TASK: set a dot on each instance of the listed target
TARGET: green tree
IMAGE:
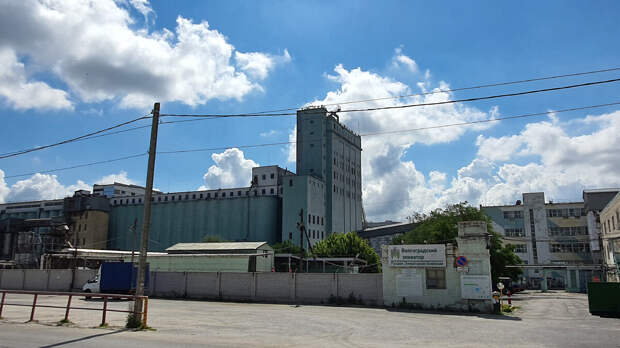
(349, 245)
(441, 226)
(213, 239)
(286, 247)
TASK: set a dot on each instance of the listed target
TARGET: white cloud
(40, 187)
(45, 186)
(22, 94)
(259, 65)
(269, 133)
(385, 173)
(120, 177)
(400, 59)
(4, 189)
(93, 48)
(231, 169)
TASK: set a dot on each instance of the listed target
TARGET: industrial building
(325, 196)
(558, 243)
(610, 239)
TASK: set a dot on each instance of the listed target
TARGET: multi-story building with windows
(610, 238)
(324, 196)
(553, 240)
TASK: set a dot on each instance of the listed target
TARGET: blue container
(120, 277)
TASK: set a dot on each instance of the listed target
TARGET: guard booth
(440, 276)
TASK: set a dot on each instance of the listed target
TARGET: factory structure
(324, 196)
(559, 243)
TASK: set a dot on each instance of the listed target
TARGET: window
(313, 217)
(435, 278)
(322, 236)
(309, 218)
(166, 199)
(181, 197)
(255, 181)
(201, 196)
(263, 191)
(193, 196)
(223, 194)
(290, 182)
(322, 221)
(208, 194)
(140, 200)
(264, 176)
(133, 201)
(271, 190)
(173, 198)
(514, 214)
(216, 195)
(290, 235)
(514, 232)
(239, 193)
(520, 248)
(115, 201)
(272, 175)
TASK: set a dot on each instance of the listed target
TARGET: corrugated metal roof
(218, 246)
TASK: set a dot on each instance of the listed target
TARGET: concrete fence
(44, 280)
(310, 288)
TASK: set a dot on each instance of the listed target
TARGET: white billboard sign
(476, 287)
(417, 255)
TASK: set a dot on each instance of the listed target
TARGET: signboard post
(475, 287)
(417, 255)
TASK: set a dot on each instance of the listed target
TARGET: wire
(455, 89)
(484, 98)
(292, 142)
(21, 152)
(77, 166)
(496, 96)
(490, 120)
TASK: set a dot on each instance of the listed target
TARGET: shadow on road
(479, 315)
(83, 338)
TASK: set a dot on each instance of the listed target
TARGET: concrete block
(169, 284)
(82, 276)
(35, 279)
(237, 286)
(12, 279)
(314, 287)
(203, 285)
(60, 280)
(274, 287)
(362, 286)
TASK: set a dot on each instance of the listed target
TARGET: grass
(506, 308)
(63, 322)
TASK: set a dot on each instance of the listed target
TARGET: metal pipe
(34, 306)
(68, 307)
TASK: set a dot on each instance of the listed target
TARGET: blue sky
(69, 68)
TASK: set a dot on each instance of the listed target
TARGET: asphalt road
(544, 320)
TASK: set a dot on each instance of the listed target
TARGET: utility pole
(302, 227)
(133, 243)
(146, 221)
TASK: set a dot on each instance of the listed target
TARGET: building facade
(324, 197)
(553, 240)
(610, 239)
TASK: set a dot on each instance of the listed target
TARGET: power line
(21, 152)
(77, 166)
(496, 96)
(498, 84)
(292, 142)
(275, 114)
(484, 98)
